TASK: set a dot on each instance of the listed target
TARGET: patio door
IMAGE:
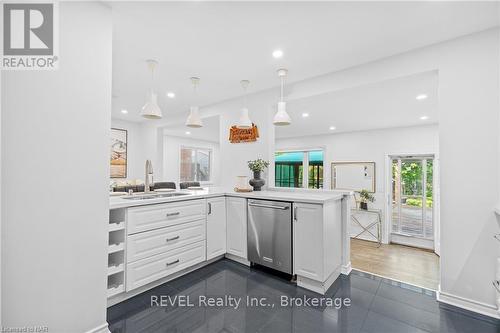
(412, 201)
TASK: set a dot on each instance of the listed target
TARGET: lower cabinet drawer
(149, 243)
(150, 217)
(144, 271)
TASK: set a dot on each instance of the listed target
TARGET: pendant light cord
(282, 87)
(245, 97)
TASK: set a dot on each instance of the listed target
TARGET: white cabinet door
(216, 227)
(236, 226)
(308, 236)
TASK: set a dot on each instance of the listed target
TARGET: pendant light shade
(281, 118)
(194, 119)
(151, 110)
(244, 121)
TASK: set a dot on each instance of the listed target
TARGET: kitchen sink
(167, 195)
(153, 196)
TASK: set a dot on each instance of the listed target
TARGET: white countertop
(312, 196)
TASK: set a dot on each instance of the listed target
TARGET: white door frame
(386, 232)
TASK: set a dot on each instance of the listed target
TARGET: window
(195, 164)
(299, 169)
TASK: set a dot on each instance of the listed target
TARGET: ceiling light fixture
(305, 115)
(277, 54)
(188, 133)
(281, 118)
(421, 97)
(244, 122)
(424, 118)
(332, 128)
(170, 94)
(194, 119)
(124, 111)
(151, 110)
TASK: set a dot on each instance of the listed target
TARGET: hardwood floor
(403, 263)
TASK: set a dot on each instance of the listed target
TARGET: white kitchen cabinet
(142, 272)
(236, 238)
(216, 227)
(145, 218)
(308, 224)
(150, 243)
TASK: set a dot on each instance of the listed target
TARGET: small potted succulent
(365, 197)
(257, 166)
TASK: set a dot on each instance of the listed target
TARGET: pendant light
(151, 110)
(194, 119)
(281, 118)
(244, 122)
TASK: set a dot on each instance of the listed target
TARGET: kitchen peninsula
(154, 238)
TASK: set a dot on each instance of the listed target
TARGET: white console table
(375, 220)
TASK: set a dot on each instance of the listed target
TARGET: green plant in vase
(257, 166)
(365, 197)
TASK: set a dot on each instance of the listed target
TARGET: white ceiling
(225, 42)
(386, 104)
(209, 131)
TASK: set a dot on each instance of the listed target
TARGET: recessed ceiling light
(171, 94)
(305, 115)
(277, 54)
(188, 133)
(421, 97)
(424, 118)
(332, 128)
(124, 111)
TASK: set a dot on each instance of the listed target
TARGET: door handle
(173, 214)
(209, 208)
(295, 209)
(173, 238)
(269, 206)
(173, 262)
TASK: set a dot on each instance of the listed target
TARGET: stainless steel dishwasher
(270, 234)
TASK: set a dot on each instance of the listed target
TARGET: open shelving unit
(116, 252)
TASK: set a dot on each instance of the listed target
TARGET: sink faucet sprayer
(149, 172)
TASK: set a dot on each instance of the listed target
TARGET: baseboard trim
(237, 259)
(467, 304)
(346, 269)
(100, 329)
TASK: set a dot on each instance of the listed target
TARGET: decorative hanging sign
(238, 135)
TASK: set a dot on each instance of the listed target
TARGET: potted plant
(257, 166)
(365, 197)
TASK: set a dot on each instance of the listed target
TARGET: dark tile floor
(377, 305)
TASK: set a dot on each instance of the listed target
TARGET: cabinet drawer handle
(173, 238)
(173, 262)
(209, 208)
(173, 214)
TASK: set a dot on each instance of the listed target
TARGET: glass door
(412, 196)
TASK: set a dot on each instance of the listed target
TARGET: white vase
(241, 182)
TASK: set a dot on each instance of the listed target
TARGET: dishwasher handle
(268, 206)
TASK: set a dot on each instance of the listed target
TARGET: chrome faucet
(149, 172)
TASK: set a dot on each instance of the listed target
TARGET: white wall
(171, 157)
(469, 120)
(55, 146)
(371, 146)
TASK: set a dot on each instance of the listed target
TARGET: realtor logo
(29, 32)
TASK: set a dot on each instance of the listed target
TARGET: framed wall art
(118, 153)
